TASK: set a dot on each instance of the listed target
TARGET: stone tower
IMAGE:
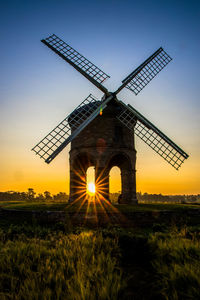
(104, 143)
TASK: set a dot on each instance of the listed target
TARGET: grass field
(59, 206)
(60, 261)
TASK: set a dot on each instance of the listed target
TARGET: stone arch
(125, 164)
(79, 163)
(115, 185)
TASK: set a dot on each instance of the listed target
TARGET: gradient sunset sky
(38, 89)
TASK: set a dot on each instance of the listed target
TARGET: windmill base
(105, 143)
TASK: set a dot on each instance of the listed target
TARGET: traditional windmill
(104, 140)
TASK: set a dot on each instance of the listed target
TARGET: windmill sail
(78, 61)
(141, 76)
(52, 144)
(152, 136)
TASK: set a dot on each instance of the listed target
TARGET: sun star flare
(91, 189)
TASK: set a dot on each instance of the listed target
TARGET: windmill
(101, 132)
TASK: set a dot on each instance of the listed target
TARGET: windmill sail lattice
(141, 76)
(61, 135)
(77, 60)
(50, 146)
(152, 136)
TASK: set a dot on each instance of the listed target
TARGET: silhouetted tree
(61, 196)
(31, 194)
(40, 197)
(47, 195)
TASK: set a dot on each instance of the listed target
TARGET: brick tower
(104, 143)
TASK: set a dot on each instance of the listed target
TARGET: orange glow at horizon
(20, 170)
(115, 184)
(90, 180)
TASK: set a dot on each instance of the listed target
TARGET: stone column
(102, 182)
(128, 187)
(77, 184)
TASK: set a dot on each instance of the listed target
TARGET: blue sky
(38, 89)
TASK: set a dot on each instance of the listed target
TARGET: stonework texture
(104, 143)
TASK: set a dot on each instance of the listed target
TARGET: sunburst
(93, 197)
(91, 189)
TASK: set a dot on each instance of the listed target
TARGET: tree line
(145, 197)
(31, 195)
(168, 198)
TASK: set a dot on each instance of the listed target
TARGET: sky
(38, 89)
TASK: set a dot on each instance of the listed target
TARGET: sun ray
(92, 199)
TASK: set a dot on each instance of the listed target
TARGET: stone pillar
(128, 187)
(78, 167)
(102, 182)
(77, 185)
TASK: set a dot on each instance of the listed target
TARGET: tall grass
(38, 262)
(73, 266)
(176, 264)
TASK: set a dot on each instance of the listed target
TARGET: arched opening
(79, 164)
(90, 182)
(115, 184)
(128, 187)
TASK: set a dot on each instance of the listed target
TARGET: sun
(91, 188)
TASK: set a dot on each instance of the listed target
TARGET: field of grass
(63, 206)
(177, 264)
(65, 262)
(59, 266)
